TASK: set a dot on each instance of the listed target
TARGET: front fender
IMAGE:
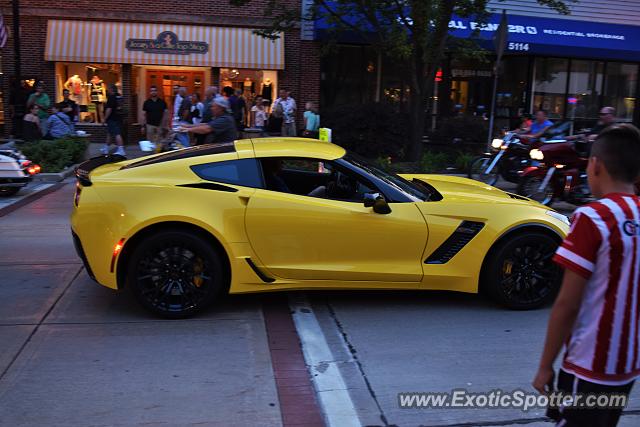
(533, 171)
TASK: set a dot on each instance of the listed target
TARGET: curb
(30, 198)
(55, 177)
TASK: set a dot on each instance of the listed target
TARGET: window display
(87, 84)
(550, 84)
(621, 86)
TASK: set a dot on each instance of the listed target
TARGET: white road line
(331, 389)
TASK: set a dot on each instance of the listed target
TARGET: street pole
(500, 42)
(492, 115)
(16, 39)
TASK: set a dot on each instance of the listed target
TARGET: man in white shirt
(286, 106)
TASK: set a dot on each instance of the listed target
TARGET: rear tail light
(34, 169)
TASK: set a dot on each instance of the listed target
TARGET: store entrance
(165, 80)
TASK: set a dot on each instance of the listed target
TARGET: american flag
(4, 33)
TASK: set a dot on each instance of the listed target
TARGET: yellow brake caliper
(507, 267)
(198, 268)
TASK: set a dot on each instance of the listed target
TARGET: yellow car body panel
(301, 242)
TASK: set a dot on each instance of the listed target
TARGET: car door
(301, 237)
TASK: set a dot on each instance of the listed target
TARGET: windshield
(412, 190)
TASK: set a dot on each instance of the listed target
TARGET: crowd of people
(220, 116)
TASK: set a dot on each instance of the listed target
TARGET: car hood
(455, 188)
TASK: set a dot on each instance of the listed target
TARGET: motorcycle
(509, 156)
(507, 159)
(558, 173)
(16, 171)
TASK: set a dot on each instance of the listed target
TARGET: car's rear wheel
(8, 191)
(477, 170)
(176, 274)
(520, 273)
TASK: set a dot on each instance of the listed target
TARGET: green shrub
(55, 155)
(373, 130)
(433, 162)
(463, 160)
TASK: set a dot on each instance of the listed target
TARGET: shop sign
(456, 72)
(167, 42)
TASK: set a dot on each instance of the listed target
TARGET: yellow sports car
(274, 214)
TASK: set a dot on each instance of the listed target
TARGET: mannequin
(98, 96)
(74, 86)
(266, 89)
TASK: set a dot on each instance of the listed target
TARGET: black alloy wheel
(477, 168)
(8, 191)
(521, 274)
(176, 274)
(529, 186)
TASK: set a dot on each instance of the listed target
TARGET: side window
(314, 178)
(245, 172)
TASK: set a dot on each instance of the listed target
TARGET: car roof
(294, 147)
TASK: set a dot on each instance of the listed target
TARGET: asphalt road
(75, 354)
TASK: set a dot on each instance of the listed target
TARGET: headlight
(496, 143)
(559, 216)
(536, 154)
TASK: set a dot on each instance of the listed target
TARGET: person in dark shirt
(222, 126)
(113, 121)
(155, 116)
(69, 106)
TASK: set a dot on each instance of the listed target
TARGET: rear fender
(533, 171)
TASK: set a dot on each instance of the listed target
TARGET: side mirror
(377, 202)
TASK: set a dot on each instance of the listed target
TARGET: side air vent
(259, 272)
(466, 231)
(517, 196)
(210, 186)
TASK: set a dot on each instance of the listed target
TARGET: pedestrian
(185, 105)
(311, 121)
(237, 104)
(177, 102)
(596, 314)
(41, 99)
(69, 106)
(18, 98)
(285, 106)
(156, 116)
(259, 113)
(59, 124)
(113, 121)
(210, 94)
(196, 109)
(222, 126)
(31, 126)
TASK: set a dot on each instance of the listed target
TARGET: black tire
(529, 186)
(8, 191)
(519, 272)
(176, 274)
(480, 164)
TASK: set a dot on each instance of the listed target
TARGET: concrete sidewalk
(76, 354)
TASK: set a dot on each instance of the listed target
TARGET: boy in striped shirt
(597, 311)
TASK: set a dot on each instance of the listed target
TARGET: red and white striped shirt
(603, 246)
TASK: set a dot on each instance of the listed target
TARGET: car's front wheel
(520, 273)
(176, 273)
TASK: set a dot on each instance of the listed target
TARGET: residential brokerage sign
(167, 42)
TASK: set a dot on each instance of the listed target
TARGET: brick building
(84, 46)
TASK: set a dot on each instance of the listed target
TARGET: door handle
(244, 199)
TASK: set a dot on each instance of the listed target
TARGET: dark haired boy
(597, 311)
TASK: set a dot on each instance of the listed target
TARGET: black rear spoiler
(84, 169)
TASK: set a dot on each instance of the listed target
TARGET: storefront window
(620, 89)
(550, 84)
(511, 96)
(87, 84)
(585, 89)
(471, 86)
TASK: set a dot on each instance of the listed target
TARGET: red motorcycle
(558, 172)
